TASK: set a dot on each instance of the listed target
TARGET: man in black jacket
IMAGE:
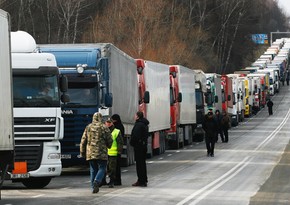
(210, 127)
(138, 140)
(270, 106)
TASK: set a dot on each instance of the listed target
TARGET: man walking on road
(226, 122)
(218, 118)
(94, 146)
(139, 142)
(287, 76)
(270, 106)
(210, 128)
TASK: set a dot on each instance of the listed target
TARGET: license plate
(66, 156)
(19, 176)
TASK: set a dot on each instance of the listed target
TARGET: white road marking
(37, 196)
(206, 190)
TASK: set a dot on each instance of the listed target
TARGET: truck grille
(29, 134)
(29, 151)
(74, 128)
(29, 128)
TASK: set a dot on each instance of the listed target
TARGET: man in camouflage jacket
(94, 146)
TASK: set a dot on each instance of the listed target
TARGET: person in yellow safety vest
(113, 152)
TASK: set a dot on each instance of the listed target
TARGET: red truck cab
(175, 99)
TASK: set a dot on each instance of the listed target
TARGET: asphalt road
(251, 169)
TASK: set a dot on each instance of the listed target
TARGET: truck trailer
(6, 103)
(154, 102)
(183, 106)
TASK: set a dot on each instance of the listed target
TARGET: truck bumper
(51, 170)
(50, 165)
(235, 120)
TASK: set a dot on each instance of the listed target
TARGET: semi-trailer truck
(154, 102)
(101, 78)
(38, 125)
(183, 106)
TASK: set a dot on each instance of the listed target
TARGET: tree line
(212, 35)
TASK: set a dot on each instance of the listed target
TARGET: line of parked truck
(99, 77)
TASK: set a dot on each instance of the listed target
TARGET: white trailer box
(6, 106)
(186, 79)
(123, 84)
(157, 83)
(201, 79)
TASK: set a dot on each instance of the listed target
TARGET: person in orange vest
(114, 151)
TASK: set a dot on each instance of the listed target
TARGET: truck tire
(198, 137)
(174, 144)
(36, 183)
(132, 156)
(125, 162)
(149, 147)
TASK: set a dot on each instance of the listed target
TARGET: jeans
(97, 170)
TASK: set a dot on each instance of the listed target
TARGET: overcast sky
(285, 5)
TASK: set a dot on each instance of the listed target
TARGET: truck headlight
(80, 69)
(54, 156)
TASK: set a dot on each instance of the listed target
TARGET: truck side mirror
(179, 97)
(146, 97)
(216, 99)
(63, 83)
(64, 98)
(108, 99)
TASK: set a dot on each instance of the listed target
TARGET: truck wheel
(132, 158)
(174, 144)
(36, 183)
(163, 146)
(125, 162)
(162, 143)
(243, 116)
(150, 154)
(198, 137)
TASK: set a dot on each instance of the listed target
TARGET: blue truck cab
(88, 89)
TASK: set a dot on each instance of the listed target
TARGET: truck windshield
(82, 94)
(35, 91)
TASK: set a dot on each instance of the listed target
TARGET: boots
(111, 183)
(96, 187)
